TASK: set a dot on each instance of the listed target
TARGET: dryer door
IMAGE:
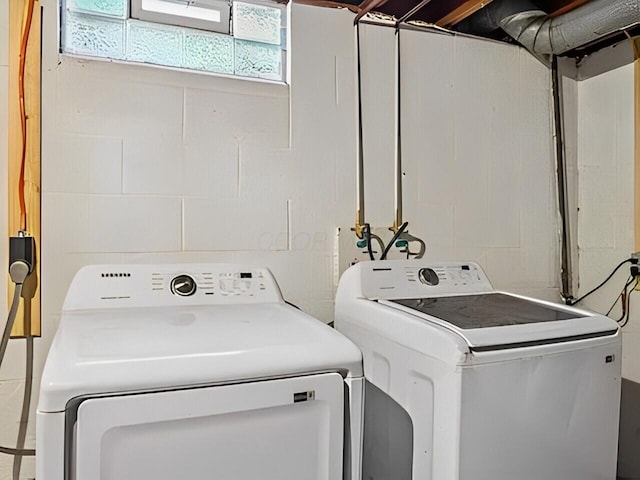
(279, 429)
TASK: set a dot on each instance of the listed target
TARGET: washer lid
(134, 349)
(488, 310)
(498, 321)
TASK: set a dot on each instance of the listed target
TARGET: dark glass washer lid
(487, 310)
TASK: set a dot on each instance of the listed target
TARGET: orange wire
(23, 114)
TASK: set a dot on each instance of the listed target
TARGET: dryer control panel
(393, 279)
(117, 286)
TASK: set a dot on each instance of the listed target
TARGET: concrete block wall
(605, 140)
(479, 172)
(478, 158)
(606, 191)
(153, 165)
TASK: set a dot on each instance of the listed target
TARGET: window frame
(282, 77)
(136, 11)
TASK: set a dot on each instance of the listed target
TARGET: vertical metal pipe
(360, 218)
(565, 269)
(397, 221)
(635, 42)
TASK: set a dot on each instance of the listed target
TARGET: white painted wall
(148, 165)
(605, 138)
(477, 153)
(480, 180)
(605, 173)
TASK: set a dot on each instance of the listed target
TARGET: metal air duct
(543, 35)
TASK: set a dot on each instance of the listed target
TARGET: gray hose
(27, 452)
(10, 321)
(24, 417)
(19, 272)
(378, 240)
(411, 239)
(391, 243)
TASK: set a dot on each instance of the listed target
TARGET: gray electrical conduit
(19, 272)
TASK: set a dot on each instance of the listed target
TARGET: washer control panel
(105, 286)
(241, 283)
(392, 279)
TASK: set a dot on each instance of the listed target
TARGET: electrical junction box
(347, 251)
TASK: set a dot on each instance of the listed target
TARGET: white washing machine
(171, 372)
(465, 382)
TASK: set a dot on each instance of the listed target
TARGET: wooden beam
(366, 6)
(569, 6)
(463, 11)
(329, 4)
(28, 319)
(472, 6)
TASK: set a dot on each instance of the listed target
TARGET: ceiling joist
(367, 6)
(568, 7)
(463, 11)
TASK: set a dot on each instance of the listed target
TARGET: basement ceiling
(444, 13)
(449, 13)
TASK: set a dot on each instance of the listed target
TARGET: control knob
(183, 286)
(428, 276)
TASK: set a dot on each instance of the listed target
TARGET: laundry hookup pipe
(397, 221)
(360, 218)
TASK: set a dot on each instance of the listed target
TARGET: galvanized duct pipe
(544, 35)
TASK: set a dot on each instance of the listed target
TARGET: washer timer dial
(428, 276)
(183, 285)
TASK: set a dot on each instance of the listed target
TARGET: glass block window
(233, 38)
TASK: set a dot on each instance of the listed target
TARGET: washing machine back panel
(118, 286)
(393, 279)
(288, 429)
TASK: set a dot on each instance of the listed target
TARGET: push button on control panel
(236, 283)
(428, 276)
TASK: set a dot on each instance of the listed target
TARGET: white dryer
(171, 372)
(464, 382)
